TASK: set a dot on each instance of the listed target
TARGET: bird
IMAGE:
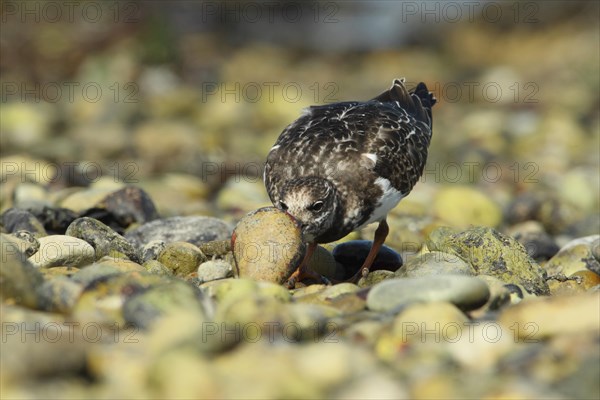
(345, 165)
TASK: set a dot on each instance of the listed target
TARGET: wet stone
(493, 253)
(435, 263)
(467, 293)
(104, 240)
(195, 230)
(181, 257)
(352, 255)
(59, 250)
(267, 245)
(15, 219)
(214, 269)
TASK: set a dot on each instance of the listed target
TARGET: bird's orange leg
(380, 234)
(304, 271)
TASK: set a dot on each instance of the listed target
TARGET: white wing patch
(391, 197)
(371, 157)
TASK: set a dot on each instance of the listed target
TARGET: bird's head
(313, 202)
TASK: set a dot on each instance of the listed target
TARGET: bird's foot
(305, 273)
(362, 273)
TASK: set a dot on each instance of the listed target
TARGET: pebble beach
(140, 256)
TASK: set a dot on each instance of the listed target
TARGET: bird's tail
(417, 102)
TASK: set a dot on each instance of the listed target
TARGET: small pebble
(15, 219)
(60, 250)
(104, 240)
(352, 255)
(577, 255)
(181, 257)
(156, 267)
(435, 263)
(194, 230)
(214, 269)
(467, 293)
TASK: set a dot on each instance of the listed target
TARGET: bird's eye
(283, 206)
(316, 206)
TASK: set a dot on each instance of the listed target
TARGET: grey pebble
(467, 293)
(104, 240)
(435, 263)
(195, 230)
(60, 250)
(15, 219)
(214, 269)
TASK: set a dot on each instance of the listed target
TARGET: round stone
(467, 293)
(435, 263)
(214, 269)
(181, 257)
(60, 250)
(352, 255)
(196, 230)
(15, 219)
(323, 262)
(104, 240)
(493, 253)
(539, 245)
(155, 267)
(267, 245)
(575, 256)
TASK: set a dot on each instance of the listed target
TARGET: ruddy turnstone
(345, 165)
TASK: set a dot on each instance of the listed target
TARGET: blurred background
(185, 99)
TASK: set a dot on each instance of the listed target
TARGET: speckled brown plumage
(358, 159)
